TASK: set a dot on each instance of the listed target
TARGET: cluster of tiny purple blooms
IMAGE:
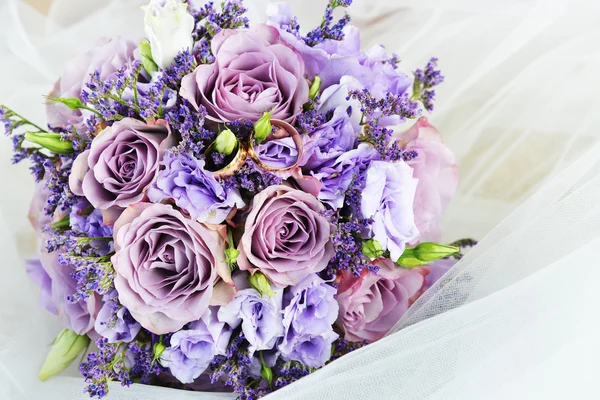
(234, 206)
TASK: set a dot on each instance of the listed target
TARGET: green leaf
(50, 141)
(260, 282)
(263, 127)
(67, 346)
(147, 61)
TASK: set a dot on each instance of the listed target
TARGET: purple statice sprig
(343, 347)
(189, 122)
(87, 257)
(327, 30)
(184, 63)
(209, 21)
(425, 80)
(121, 362)
(250, 179)
(57, 172)
(290, 372)
(107, 96)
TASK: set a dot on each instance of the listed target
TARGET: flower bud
(159, 348)
(72, 102)
(260, 282)
(226, 142)
(263, 127)
(147, 60)
(372, 249)
(425, 253)
(231, 255)
(168, 28)
(67, 346)
(50, 141)
(315, 87)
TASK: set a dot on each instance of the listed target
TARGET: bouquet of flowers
(229, 207)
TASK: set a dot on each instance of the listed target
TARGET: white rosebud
(168, 28)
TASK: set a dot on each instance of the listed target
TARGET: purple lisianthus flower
(86, 219)
(114, 321)
(337, 176)
(307, 320)
(37, 274)
(107, 57)
(121, 163)
(254, 72)
(166, 266)
(330, 140)
(192, 350)
(194, 189)
(388, 199)
(259, 316)
(330, 59)
(384, 78)
(286, 236)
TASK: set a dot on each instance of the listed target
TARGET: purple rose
(107, 57)
(121, 163)
(80, 316)
(388, 199)
(259, 316)
(192, 350)
(330, 140)
(336, 177)
(114, 321)
(279, 153)
(286, 236)
(194, 189)
(166, 266)
(307, 320)
(36, 273)
(254, 72)
(370, 305)
(384, 78)
(330, 59)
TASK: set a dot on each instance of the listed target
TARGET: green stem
(25, 120)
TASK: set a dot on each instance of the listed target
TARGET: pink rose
(254, 72)
(435, 168)
(370, 305)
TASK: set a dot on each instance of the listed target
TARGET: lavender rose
(107, 57)
(370, 305)
(307, 320)
(286, 236)
(254, 72)
(194, 189)
(166, 266)
(436, 169)
(388, 199)
(259, 316)
(192, 350)
(121, 163)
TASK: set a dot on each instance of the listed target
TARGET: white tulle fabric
(516, 317)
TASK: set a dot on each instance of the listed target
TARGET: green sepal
(372, 249)
(265, 372)
(147, 61)
(315, 87)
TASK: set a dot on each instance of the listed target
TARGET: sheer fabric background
(518, 107)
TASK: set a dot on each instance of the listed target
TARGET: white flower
(168, 27)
